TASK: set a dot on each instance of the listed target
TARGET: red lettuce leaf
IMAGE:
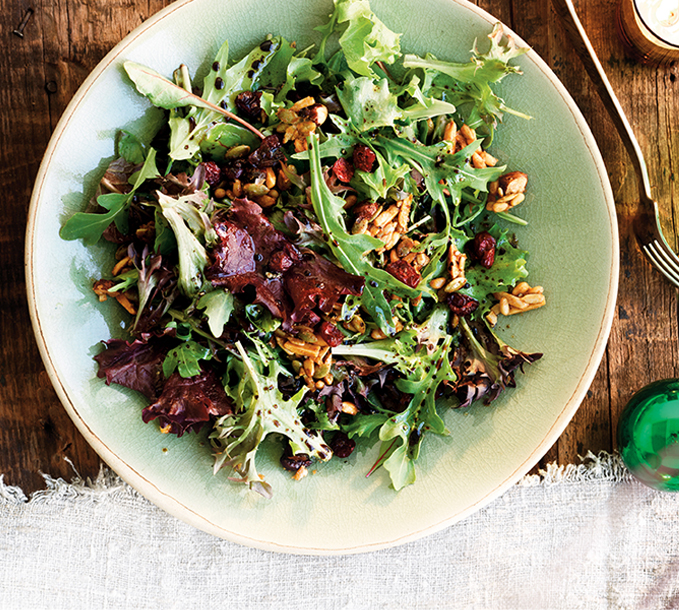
(137, 365)
(187, 404)
(316, 282)
(291, 282)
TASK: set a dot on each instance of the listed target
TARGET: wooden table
(63, 40)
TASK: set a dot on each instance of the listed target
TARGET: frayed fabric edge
(601, 467)
(107, 484)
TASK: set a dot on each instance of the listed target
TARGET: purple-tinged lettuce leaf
(187, 404)
(137, 365)
(482, 374)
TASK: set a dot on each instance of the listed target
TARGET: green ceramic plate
(571, 235)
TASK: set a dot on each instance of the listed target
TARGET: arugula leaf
(376, 184)
(423, 106)
(508, 269)
(336, 144)
(351, 250)
(286, 70)
(441, 170)
(469, 83)
(186, 359)
(401, 433)
(218, 305)
(369, 104)
(90, 226)
(148, 171)
(366, 40)
(222, 137)
(163, 93)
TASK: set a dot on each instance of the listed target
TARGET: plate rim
(171, 505)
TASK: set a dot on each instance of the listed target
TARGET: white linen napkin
(583, 536)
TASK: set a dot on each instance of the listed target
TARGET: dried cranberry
(484, 249)
(343, 170)
(213, 173)
(235, 170)
(342, 445)
(295, 462)
(330, 334)
(248, 104)
(461, 304)
(404, 273)
(363, 158)
(268, 154)
(366, 209)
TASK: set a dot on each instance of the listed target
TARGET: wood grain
(65, 39)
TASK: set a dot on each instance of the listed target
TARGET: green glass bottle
(647, 435)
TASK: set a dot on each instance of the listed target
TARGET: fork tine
(663, 261)
(669, 256)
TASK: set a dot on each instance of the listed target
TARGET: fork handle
(579, 39)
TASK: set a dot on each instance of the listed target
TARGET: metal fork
(647, 227)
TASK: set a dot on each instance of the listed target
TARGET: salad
(315, 247)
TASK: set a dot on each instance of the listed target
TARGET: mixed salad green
(315, 245)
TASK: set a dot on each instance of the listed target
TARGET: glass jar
(647, 435)
(649, 29)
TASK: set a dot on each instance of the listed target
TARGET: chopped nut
(356, 324)
(102, 289)
(456, 268)
(350, 201)
(308, 367)
(422, 259)
(490, 160)
(523, 298)
(317, 113)
(349, 407)
(300, 473)
(265, 201)
(312, 351)
(498, 207)
(386, 216)
(305, 102)
(270, 178)
(468, 133)
(505, 307)
(450, 131)
(405, 246)
(455, 284)
(237, 188)
(255, 189)
(120, 265)
(378, 334)
(521, 289)
(477, 161)
(513, 183)
(360, 226)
